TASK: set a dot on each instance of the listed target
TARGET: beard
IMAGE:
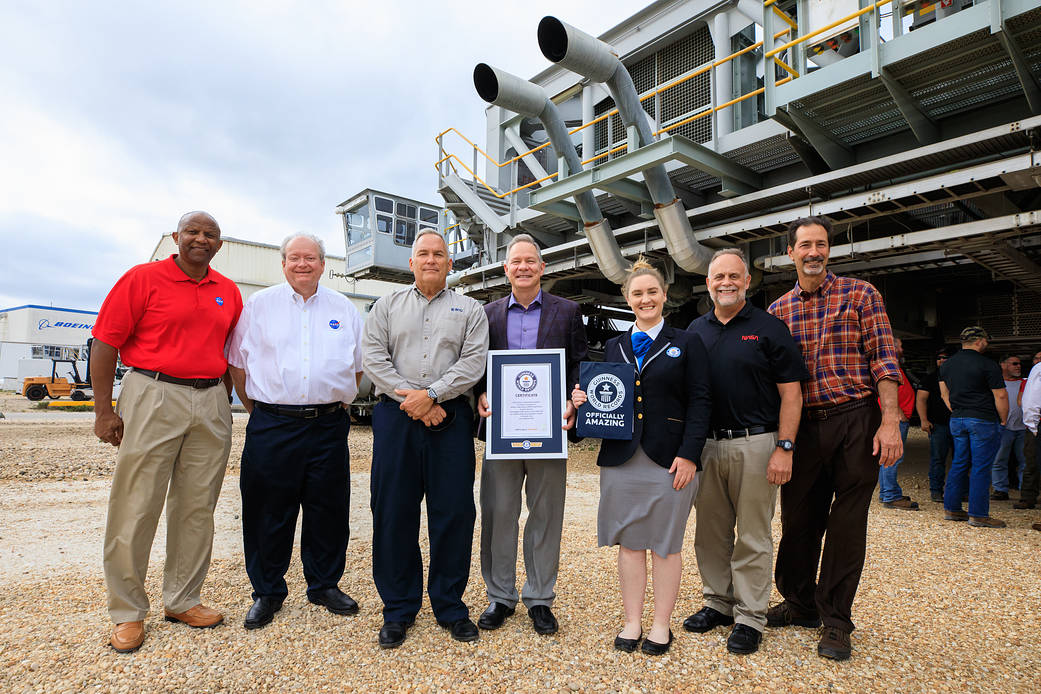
(819, 269)
(726, 298)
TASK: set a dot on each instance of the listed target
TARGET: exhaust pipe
(590, 57)
(521, 96)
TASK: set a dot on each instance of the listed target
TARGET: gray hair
(310, 237)
(426, 232)
(730, 251)
(524, 238)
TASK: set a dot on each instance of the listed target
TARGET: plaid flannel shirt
(845, 337)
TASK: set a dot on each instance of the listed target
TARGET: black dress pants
(833, 478)
(290, 463)
(410, 461)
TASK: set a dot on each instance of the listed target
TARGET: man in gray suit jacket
(526, 319)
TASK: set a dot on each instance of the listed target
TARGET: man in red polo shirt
(168, 320)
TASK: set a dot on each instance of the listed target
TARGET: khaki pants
(734, 491)
(176, 441)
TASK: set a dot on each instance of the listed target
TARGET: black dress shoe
(262, 612)
(393, 634)
(461, 629)
(494, 616)
(706, 619)
(744, 640)
(542, 619)
(334, 600)
(653, 648)
(627, 645)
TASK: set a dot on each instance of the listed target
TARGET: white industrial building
(30, 336)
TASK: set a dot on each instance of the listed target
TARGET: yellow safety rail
(817, 32)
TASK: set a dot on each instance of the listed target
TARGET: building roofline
(248, 243)
(49, 308)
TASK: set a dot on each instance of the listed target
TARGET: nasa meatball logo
(526, 381)
(219, 300)
(673, 352)
(605, 392)
(334, 324)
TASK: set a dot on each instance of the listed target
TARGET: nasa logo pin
(673, 352)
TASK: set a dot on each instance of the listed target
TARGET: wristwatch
(432, 394)
(786, 445)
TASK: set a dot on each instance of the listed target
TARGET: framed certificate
(526, 392)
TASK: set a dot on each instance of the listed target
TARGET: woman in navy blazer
(648, 483)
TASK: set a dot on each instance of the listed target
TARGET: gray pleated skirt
(639, 509)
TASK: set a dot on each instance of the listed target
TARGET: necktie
(641, 343)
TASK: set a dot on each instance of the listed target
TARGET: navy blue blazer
(560, 326)
(672, 403)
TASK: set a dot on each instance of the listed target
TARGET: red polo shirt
(161, 319)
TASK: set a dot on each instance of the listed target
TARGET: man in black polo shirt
(756, 403)
(972, 386)
(936, 418)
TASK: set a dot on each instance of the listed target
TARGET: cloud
(117, 117)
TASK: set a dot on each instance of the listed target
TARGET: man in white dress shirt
(295, 359)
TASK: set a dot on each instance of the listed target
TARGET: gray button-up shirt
(410, 342)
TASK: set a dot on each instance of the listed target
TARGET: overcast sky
(117, 117)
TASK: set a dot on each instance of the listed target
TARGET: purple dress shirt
(522, 324)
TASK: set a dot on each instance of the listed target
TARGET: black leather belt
(298, 411)
(197, 383)
(718, 434)
(821, 413)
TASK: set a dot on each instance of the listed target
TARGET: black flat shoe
(627, 645)
(334, 600)
(262, 612)
(393, 634)
(651, 648)
(494, 616)
(461, 629)
(744, 640)
(542, 620)
(706, 619)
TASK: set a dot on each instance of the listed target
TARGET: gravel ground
(941, 607)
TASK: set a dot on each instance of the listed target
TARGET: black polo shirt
(748, 357)
(971, 379)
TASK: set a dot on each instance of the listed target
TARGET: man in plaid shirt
(840, 324)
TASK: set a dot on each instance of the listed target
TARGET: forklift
(38, 387)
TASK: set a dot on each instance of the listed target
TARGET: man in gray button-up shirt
(424, 347)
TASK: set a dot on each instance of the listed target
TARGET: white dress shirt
(298, 352)
(1032, 399)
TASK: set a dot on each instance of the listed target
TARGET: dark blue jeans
(975, 443)
(940, 445)
(1012, 443)
(888, 488)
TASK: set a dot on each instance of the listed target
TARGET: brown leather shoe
(955, 515)
(986, 522)
(199, 617)
(904, 503)
(1024, 503)
(834, 644)
(1036, 526)
(127, 637)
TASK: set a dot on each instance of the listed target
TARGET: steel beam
(916, 238)
(676, 148)
(1026, 78)
(836, 153)
(923, 127)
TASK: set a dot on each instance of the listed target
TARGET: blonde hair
(640, 268)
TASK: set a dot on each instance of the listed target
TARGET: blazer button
(640, 416)
(637, 382)
(639, 398)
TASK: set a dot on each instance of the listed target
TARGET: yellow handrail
(784, 15)
(783, 47)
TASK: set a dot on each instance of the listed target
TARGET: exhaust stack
(521, 96)
(590, 57)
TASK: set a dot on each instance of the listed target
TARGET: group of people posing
(801, 398)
